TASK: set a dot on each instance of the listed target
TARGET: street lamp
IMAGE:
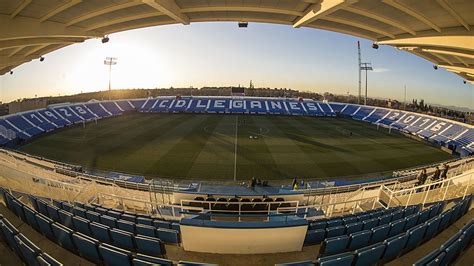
(110, 61)
(366, 67)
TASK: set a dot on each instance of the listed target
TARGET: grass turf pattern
(203, 146)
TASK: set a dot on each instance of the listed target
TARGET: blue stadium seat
(18, 209)
(79, 212)
(343, 259)
(126, 226)
(93, 216)
(100, 232)
(385, 219)
(335, 231)
(297, 263)
(28, 253)
(334, 245)
(434, 210)
(122, 239)
(353, 227)
(44, 223)
(349, 220)
(317, 225)
(65, 218)
(115, 214)
(334, 222)
(87, 247)
(9, 232)
(439, 260)
(114, 256)
(68, 207)
(369, 255)
(81, 225)
(379, 233)
(30, 217)
(150, 259)
(129, 217)
(161, 224)
(359, 239)
(394, 246)
(53, 212)
(145, 221)
(168, 235)
(396, 215)
(63, 236)
(396, 227)
(370, 223)
(411, 221)
(108, 220)
(432, 226)
(445, 219)
(314, 236)
(415, 236)
(49, 260)
(149, 246)
(145, 230)
(452, 251)
(423, 216)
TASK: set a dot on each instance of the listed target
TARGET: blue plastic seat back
(50, 260)
(424, 215)
(65, 218)
(456, 213)
(349, 220)
(468, 234)
(432, 227)
(100, 232)
(411, 221)
(354, 227)
(18, 207)
(359, 239)
(9, 232)
(63, 236)
(168, 235)
(439, 260)
(343, 259)
(122, 239)
(108, 220)
(30, 217)
(68, 207)
(149, 246)
(27, 252)
(53, 213)
(394, 246)
(452, 251)
(409, 210)
(334, 245)
(396, 227)
(145, 221)
(129, 217)
(385, 219)
(369, 255)
(379, 233)
(44, 223)
(314, 236)
(313, 225)
(364, 216)
(114, 256)
(87, 247)
(334, 222)
(42, 207)
(151, 259)
(146, 230)
(427, 258)
(165, 224)
(93, 216)
(126, 226)
(114, 214)
(79, 212)
(335, 231)
(81, 225)
(415, 236)
(445, 218)
(397, 215)
(370, 223)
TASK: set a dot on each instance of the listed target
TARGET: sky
(221, 54)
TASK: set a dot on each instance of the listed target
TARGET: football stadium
(234, 175)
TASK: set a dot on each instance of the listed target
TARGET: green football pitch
(216, 146)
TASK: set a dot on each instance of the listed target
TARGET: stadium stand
(453, 135)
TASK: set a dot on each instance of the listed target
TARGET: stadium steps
(413, 256)
(46, 245)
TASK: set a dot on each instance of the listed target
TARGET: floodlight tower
(366, 67)
(110, 61)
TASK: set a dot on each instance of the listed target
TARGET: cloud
(380, 70)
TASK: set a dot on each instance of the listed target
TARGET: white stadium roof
(440, 31)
